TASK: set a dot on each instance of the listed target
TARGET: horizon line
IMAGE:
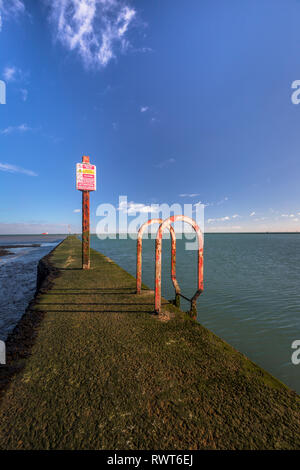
(151, 233)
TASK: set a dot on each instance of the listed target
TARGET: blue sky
(175, 102)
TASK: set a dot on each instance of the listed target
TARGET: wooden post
(85, 224)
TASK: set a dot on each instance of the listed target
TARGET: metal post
(85, 225)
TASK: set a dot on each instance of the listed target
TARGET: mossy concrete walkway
(104, 373)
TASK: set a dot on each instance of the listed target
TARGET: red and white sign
(85, 177)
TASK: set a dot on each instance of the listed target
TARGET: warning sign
(85, 177)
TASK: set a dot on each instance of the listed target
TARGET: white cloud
(77, 210)
(165, 163)
(225, 199)
(9, 73)
(134, 207)
(12, 73)
(252, 214)
(24, 94)
(289, 215)
(189, 195)
(10, 9)
(223, 219)
(220, 219)
(16, 169)
(215, 203)
(205, 204)
(11, 129)
(226, 228)
(144, 109)
(96, 29)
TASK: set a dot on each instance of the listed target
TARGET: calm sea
(252, 290)
(251, 281)
(18, 275)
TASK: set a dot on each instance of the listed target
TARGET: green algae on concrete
(104, 373)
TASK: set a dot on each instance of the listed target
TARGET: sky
(174, 102)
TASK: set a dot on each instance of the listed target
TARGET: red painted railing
(158, 246)
(139, 256)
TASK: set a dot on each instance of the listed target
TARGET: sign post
(85, 230)
(85, 182)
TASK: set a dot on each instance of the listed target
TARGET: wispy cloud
(96, 29)
(76, 211)
(225, 199)
(24, 93)
(200, 203)
(21, 128)
(252, 214)
(16, 169)
(9, 73)
(144, 109)
(189, 195)
(134, 208)
(165, 163)
(226, 228)
(13, 74)
(10, 9)
(223, 219)
(219, 219)
(289, 215)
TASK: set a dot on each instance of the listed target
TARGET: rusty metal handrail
(158, 245)
(139, 257)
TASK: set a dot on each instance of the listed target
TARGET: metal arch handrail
(158, 246)
(139, 257)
